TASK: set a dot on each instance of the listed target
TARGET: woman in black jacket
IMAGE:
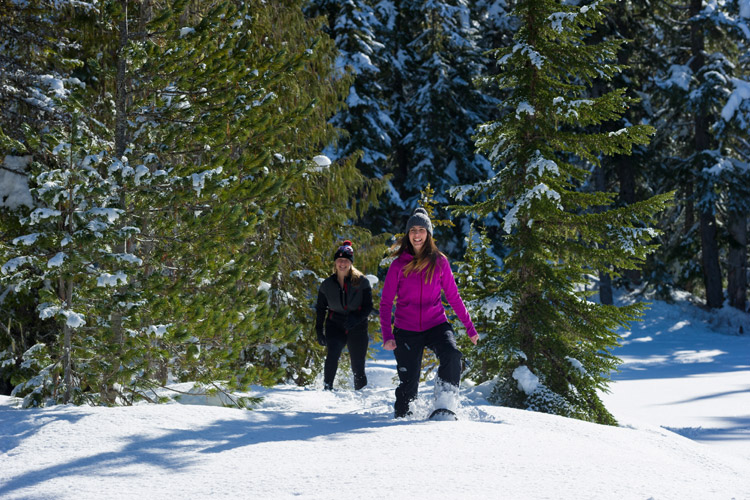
(344, 302)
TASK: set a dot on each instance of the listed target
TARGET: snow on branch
(537, 192)
(740, 94)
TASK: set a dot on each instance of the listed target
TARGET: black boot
(360, 382)
(402, 413)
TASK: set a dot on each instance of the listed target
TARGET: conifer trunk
(709, 245)
(626, 177)
(120, 141)
(605, 280)
(120, 95)
(737, 261)
(67, 290)
(710, 261)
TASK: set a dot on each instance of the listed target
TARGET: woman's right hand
(389, 345)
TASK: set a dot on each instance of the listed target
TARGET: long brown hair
(427, 258)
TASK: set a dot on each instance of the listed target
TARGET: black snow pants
(409, 351)
(356, 340)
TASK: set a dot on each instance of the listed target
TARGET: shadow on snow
(178, 449)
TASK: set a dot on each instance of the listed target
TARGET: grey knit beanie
(419, 218)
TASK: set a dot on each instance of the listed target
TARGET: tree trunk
(121, 103)
(67, 344)
(737, 261)
(702, 142)
(605, 280)
(121, 91)
(626, 178)
(710, 261)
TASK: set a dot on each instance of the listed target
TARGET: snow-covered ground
(688, 371)
(682, 398)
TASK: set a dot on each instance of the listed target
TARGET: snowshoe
(443, 414)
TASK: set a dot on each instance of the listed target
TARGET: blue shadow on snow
(177, 449)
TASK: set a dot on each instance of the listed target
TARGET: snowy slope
(687, 370)
(306, 443)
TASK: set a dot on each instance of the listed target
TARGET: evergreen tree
(365, 123)
(67, 253)
(697, 144)
(554, 350)
(442, 104)
(479, 277)
(42, 111)
(217, 114)
(247, 141)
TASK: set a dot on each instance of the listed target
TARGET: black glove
(321, 339)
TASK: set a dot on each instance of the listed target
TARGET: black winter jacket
(348, 306)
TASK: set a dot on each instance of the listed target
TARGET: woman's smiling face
(417, 237)
(343, 265)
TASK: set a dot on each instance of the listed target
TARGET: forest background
(177, 174)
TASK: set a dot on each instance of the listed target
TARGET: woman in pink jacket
(415, 280)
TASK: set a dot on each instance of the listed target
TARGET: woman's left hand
(474, 339)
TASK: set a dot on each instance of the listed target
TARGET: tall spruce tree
(697, 141)
(55, 243)
(443, 105)
(555, 348)
(365, 124)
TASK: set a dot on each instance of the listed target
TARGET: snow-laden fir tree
(442, 104)
(364, 122)
(28, 49)
(554, 350)
(57, 259)
(479, 276)
(703, 83)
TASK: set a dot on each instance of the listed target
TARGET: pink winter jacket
(418, 304)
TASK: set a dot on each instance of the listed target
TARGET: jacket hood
(405, 257)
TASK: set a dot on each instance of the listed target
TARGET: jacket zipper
(343, 297)
(421, 286)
